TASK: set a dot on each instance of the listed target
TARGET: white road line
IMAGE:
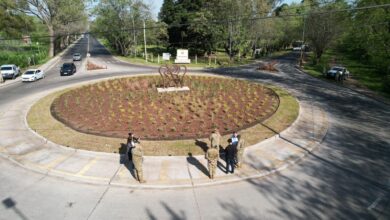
(376, 202)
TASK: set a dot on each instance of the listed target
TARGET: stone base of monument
(182, 61)
(173, 89)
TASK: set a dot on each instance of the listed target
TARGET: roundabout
(44, 154)
(345, 177)
(181, 121)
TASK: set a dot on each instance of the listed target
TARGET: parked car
(67, 69)
(9, 71)
(33, 75)
(344, 73)
(77, 57)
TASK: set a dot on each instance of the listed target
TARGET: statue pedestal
(173, 89)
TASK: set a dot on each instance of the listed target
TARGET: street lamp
(303, 42)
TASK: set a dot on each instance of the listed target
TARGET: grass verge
(41, 120)
(222, 59)
(362, 75)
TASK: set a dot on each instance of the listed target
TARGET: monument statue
(172, 75)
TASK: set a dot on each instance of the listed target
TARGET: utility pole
(146, 54)
(303, 42)
(135, 39)
(230, 40)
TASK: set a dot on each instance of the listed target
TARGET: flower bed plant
(115, 107)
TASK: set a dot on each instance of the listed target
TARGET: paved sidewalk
(21, 145)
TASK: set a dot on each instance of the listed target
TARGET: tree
(119, 22)
(55, 14)
(322, 27)
(368, 35)
(12, 22)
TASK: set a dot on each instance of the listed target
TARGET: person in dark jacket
(131, 141)
(230, 151)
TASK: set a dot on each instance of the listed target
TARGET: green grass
(40, 119)
(19, 54)
(221, 61)
(365, 74)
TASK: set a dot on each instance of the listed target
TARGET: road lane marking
(87, 166)
(376, 202)
(57, 161)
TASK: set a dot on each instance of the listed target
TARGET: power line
(224, 21)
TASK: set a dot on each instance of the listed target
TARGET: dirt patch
(268, 66)
(112, 108)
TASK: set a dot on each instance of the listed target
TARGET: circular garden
(97, 116)
(114, 107)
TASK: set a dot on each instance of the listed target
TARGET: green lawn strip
(20, 54)
(40, 119)
(203, 62)
(367, 76)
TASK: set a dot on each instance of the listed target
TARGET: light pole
(303, 41)
(146, 54)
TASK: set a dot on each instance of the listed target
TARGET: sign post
(182, 56)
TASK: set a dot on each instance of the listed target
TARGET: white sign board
(166, 56)
(182, 56)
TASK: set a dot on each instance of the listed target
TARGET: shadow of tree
(339, 180)
(174, 215)
(343, 177)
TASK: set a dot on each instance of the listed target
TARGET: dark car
(68, 69)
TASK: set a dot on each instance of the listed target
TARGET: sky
(156, 5)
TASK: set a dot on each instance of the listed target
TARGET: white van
(9, 71)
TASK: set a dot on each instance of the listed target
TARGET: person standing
(215, 139)
(230, 155)
(137, 158)
(212, 156)
(240, 151)
(129, 145)
(234, 138)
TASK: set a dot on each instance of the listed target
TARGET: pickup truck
(9, 71)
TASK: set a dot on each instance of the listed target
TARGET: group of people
(234, 152)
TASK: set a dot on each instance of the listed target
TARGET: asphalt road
(347, 177)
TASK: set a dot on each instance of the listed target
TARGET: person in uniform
(212, 156)
(137, 158)
(240, 151)
(215, 139)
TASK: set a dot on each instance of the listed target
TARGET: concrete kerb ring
(233, 180)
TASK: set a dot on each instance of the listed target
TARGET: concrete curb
(105, 181)
(157, 65)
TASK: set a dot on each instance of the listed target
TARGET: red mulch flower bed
(115, 107)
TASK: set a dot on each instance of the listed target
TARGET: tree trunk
(318, 56)
(52, 39)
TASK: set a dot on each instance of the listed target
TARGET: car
(297, 48)
(32, 75)
(77, 57)
(67, 69)
(338, 69)
(9, 71)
